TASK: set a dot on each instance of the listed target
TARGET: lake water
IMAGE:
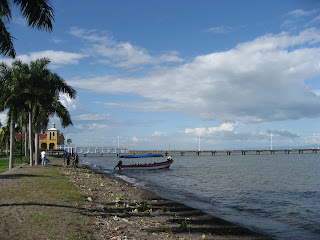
(278, 195)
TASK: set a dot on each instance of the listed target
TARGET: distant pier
(230, 152)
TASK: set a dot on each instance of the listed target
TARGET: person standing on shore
(64, 158)
(43, 158)
(76, 160)
(68, 159)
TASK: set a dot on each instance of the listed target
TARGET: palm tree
(11, 98)
(39, 14)
(42, 91)
(47, 87)
(5, 137)
(26, 87)
(41, 122)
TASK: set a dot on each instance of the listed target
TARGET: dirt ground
(56, 202)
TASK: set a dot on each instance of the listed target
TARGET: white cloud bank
(57, 58)
(260, 80)
(224, 127)
(120, 54)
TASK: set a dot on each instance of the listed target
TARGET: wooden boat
(147, 165)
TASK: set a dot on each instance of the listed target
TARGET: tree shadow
(16, 176)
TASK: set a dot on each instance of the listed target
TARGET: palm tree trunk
(25, 142)
(21, 132)
(36, 152)
(31, 138)
(11, 158)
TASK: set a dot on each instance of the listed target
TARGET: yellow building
(51, 139)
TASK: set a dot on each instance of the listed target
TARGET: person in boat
(118, 165)
(169, 158)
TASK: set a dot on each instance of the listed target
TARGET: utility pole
(118, 141)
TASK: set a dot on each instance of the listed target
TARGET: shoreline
(199, 224)
(110, 208)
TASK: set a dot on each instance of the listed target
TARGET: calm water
(278, 195)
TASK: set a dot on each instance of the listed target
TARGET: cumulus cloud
(120, 54)
(257, 81)
(67, 102)
(57, 58)
(224, 127)
(158, 134)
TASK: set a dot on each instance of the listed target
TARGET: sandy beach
(34, 204)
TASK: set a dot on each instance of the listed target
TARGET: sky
(164, 74)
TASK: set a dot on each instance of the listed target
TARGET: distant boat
(147, 165)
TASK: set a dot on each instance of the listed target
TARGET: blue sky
(161, 73)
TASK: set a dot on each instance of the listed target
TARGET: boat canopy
(142, 155)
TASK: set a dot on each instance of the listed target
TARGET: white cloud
(158, 134)
(316, 19)
(120, 54)
(302, 13)
(219, 30)
(3, 118)
(228, 127)
(67, 102)
(92, 117)
(136, 139)
(57, 58)
(260, 80)
(224, 127)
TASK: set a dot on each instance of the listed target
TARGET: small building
(51, 139)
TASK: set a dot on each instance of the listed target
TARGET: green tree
(43, 91)
(5, 137)
(12, 98)
(33, 88)
(39, 14)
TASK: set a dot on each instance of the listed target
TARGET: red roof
(41, 136)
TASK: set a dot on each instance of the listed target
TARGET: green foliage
(39, 14)
(183, 225)
(4, 163)
(143, 207)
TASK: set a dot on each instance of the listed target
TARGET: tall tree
(12, 98)
(28, 87)
(42, 91)
(39, 14)
(5, 137)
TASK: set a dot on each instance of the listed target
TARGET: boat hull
(153, 166)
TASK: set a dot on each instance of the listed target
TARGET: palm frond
(39, 13)
(6, 41)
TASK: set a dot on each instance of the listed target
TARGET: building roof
(53, 128)
(41, 136)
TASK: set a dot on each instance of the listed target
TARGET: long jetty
(230, 152)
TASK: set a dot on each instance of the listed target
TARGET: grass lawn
(4, 163)
(41, 203)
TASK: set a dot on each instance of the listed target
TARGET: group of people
(67, 157)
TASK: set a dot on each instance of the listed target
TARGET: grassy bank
(40, 203)
(4, 163)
